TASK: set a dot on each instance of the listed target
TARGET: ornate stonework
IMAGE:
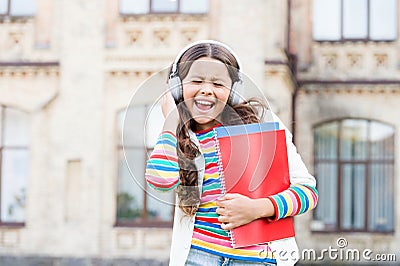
(360, 89)
(17, 40)
(352, 60)
(25, 72)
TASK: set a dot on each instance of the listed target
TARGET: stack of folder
(252, 161)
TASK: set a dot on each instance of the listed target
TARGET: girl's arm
(162, 170)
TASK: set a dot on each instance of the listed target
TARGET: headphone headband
(174, 69)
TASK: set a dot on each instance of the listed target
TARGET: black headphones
(175, 83)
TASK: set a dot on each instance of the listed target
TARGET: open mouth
(204, 105)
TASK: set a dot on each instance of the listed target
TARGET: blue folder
(246, 129)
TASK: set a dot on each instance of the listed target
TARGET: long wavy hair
(249, 111)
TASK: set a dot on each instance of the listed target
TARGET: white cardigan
(285, 250)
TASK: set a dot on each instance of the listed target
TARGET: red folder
(255, 165)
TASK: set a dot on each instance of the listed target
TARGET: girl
(204, 83)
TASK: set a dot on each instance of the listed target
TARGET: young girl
(204, 80)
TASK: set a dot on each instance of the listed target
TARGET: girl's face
(206, 90)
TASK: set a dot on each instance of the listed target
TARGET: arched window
(137, 204)
(354, 167)
(14, 162)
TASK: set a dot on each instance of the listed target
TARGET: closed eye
(197, 81)
(219, 84)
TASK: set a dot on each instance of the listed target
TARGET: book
(252, 161)
(246, 129)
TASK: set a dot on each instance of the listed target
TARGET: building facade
(75, 98)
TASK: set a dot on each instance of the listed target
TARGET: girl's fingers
(227, 226)
(220, 211)
(168, 104)
(223, 219)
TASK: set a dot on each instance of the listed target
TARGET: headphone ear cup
(175, 86)
(236, 95)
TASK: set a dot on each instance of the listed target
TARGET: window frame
(339, 177)
(152, 12)
(368, 38)
(2, 148)
(7, 14)
(143, 221)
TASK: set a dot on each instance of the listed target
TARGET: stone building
(69, 70)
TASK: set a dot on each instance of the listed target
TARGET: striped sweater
(162, 174)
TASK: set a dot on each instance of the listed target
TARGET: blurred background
(68, 69)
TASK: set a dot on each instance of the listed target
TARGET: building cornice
(25, 69)
(117, 73)
(165, 17)
(29, 64)
(349, 82)
(349, 87)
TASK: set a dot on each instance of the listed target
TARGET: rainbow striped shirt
(162, 174)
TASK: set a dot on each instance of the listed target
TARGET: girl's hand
(235, 210)
(170, 111)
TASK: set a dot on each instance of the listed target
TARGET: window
(14, 160)
(17, 8)
(354, 167)
(137, 204)
(339, 20)
(134, 7)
